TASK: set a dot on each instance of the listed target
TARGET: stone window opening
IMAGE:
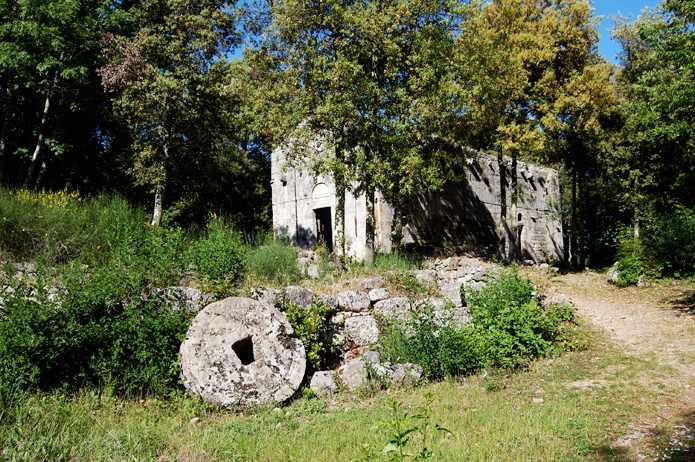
(244, 350)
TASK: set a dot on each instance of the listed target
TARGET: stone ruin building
(465, 215)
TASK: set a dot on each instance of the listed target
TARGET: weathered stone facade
(477, 213)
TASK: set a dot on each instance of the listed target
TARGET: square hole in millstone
(244, 350)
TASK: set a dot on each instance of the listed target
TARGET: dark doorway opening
(324, 230)
(244, 350)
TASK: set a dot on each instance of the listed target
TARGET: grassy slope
(508, 423)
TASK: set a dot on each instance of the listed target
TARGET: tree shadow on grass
(673, 444)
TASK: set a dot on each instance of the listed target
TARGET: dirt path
(656, 322)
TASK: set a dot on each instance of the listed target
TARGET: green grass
(500, 422)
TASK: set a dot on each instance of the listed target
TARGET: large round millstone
(241, 352)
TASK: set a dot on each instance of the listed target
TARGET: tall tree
(47, 50)
(363, 75)
(167, 80)
(656, 160)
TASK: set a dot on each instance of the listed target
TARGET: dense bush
(273, 262)
(92, 338)
(508, 329)
(666, 247)
(221, 253)
(669, 243)
(312, 326)
(441, 349)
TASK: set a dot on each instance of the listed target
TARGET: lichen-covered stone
(265, 295)
(362, 330)
(351, 300)
(406, 374)
(377, 295)
(242, 353)
(354, 374)
(323, 383)
(397, 308)
(373, 282)
(300, 296)
(184, 298)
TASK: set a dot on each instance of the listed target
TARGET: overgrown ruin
(476, 213)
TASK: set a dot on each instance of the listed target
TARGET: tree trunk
(39, 144)
(573, 218)
(370, 228)
(636, 224)
(157, 213)
(159, 192)
(4, 128)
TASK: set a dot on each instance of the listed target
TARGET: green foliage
(312, 326)
(273, 262)
(93, 338)
(666, 247)
(411, 437)
(508, 330)
(631, 260)
(669, 242)
(221, 254)
(57, 227)
(514, 328)
(440, 348)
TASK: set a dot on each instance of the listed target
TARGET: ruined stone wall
(477, 213)
(297, 194)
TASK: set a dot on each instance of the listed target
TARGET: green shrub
(312, 326)
(221, 254)
(94, 338)
(669, 243)
(508, 329)
(58, 227)
(513, 327)
(508, 289)
(273, 262)
(631, 258)
(440, 347)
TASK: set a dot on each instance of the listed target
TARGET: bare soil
(656, 322)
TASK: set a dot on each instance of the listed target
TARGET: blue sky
(608, 10)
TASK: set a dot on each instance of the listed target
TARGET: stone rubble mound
(242, 353)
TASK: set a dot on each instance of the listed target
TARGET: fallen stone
(397, 308)
(312, 271)
(426, 277)
(613, 274)
(451, 291)
(406, 374)
(643, 281)
(300, 296)
(354, 374)
(184, 298)
(265, 295)
(376, 295)
(371, 357)
(557, 299)
(351, 300)
(371, 283)
(362, 330)
(242, 353)
(328, 300)
(323, 383)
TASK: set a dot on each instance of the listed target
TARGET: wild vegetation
(135, 141)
